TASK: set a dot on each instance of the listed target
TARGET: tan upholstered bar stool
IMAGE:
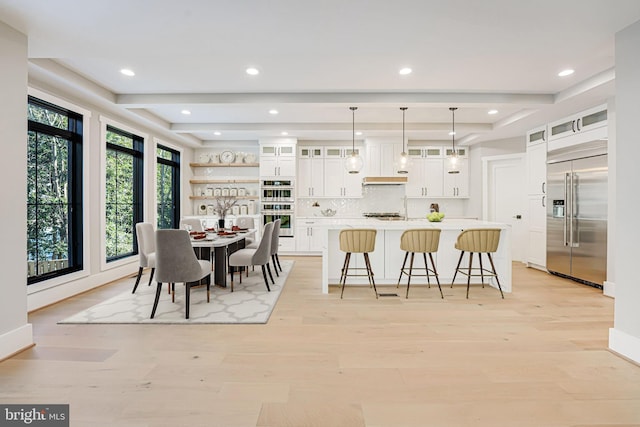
(357, 240)
(424, 241)
(480, 241)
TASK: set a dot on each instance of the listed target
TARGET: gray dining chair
(195, 223)
(275, 242)
(146, 251)
(246, 222)
(258, 256)
(176, 262)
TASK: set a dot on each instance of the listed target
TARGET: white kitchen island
(387, 258)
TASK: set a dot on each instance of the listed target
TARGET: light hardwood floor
(537, 358)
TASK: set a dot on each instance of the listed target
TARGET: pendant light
(354, 162)
(453, 159)
(403, 162)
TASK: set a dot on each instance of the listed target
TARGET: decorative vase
(221, 223)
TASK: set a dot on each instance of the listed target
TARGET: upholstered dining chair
(246, 222)
(195, 223)
(258, 256)
(176, 262)
(146, 251)
(275, 243)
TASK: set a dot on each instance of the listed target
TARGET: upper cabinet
(310, 182)
(429, 175)
(382, 158)
(278, 158)
(537, 136)
(426, 169)
(582, 122)
(338, 182)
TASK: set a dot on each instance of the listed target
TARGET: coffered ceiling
(316, 59)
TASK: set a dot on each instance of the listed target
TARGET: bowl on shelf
(328, 212)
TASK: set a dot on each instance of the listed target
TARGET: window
(54, 191)
(124, 194)
(168, 187)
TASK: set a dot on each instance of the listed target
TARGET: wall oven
(278, 202)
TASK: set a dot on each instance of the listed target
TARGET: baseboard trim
(15, 341)
(625, 345)
(609, 289)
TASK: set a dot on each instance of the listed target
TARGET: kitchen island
(387, 258)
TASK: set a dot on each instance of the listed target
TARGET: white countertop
(446, 224)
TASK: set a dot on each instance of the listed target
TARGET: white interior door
(504, 200)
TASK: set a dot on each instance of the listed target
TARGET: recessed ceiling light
(217, 133)
(127, 72)
(252, 71)
(186, 112)
(405, 71)
(358, 133)
(492, 112)
(565, 73)
(451, 133)
(284, 133)
(273, 112)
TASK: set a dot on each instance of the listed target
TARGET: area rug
(250, 302)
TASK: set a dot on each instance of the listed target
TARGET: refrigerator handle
(574, 211)
(566, 210)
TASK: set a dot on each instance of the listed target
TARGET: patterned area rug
(250, 302)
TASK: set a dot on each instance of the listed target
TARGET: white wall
(473, 206)
(624, 337)
(15, 332)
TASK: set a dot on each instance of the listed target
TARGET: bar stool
(424, 241)
(480, 241)
(357, 240)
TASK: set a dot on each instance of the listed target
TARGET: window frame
(76, 227)
(175, 164)
(137, 153)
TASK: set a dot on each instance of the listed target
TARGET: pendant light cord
(403, 110)
(453, 129)
(353, 130)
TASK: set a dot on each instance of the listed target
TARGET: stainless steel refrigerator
(577, 213)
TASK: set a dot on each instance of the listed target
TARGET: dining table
(217, 248)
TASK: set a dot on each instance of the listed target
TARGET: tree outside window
(54, 191)
(168, 187)
(124, 193)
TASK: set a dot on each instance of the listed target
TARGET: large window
(54, 191)
(124, 198)
(168, 186)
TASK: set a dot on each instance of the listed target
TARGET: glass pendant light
(453, 159)
(354, 162)
(403, 162)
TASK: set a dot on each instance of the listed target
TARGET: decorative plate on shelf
(227, 156)
(249, 158)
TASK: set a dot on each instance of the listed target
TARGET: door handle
(543, 200)
(543, 185)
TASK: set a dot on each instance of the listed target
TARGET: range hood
(384, 180)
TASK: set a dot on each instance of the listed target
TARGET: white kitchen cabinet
(426, 177)
(382, 158)
(536, 168)
(537, 198)
(537, 250)
(310, 182)
(309, 238)
(338, 182)
(278, 159)
(456, 184)
(582, 122)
